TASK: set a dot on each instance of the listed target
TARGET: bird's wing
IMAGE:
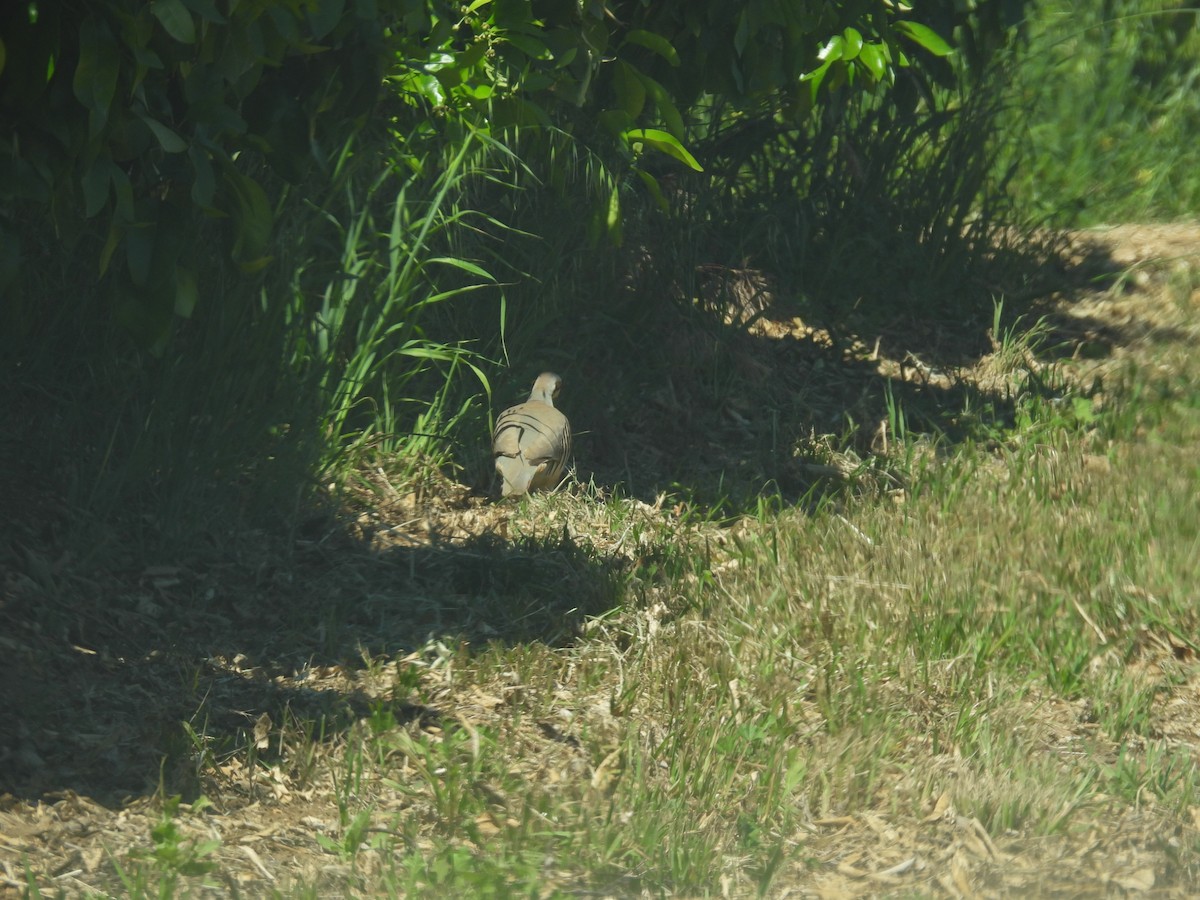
(535, 432)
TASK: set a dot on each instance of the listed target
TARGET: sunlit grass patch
(1106, 98)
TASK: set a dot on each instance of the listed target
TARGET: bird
(532, 440)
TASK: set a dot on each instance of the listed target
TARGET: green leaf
(207, 10)
(666, 109)
(218, 116)
(95, 186)
(110, 246)
(631, 92)
(252, 219)
(323, 16)
(535, 80)
(427, 86)
(531, 46)
(664, 142)
(925, 37)
(423, 350)
(147, 58)
(742, 35)
(652, 186)
(185, 293)
(124, 189)
(250, 266)
(438, 298)
(832, 51)
(612, 219)
(516, 111)
(852, 43)
(439, 61)
(615, 121)
(655, 42)
(466, 59)
(174, 17)
(95, 81)
(815, 77)
(874, 59)
(167, 139)
(464, 265)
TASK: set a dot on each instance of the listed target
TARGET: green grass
(1107, 105)
(856, 665)
(994, 657)
(382, 381)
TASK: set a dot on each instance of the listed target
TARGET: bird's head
(546, 388)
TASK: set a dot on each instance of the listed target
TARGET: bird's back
(532, 441)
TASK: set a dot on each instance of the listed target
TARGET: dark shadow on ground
(724, 415)
(102, 670)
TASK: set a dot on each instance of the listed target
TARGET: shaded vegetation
(874, 570)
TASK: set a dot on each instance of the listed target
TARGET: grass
(366, 341)
(964, 676)
(1107, 101)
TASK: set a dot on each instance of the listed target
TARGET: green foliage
(131, 123)
(650, 80)
(1108, 109)
(516, 62)
(353, 836)
(173, 855)
(363, 342)
(321, 214)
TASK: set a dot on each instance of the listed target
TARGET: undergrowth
(864, 577)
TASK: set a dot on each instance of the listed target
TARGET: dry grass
(953, 655)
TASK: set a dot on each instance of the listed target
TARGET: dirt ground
(92, 692)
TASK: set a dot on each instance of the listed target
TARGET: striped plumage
(532, 440)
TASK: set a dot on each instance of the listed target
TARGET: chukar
(532, 440)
